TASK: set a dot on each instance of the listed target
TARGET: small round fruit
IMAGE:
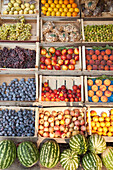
(32, 6)
(22, 6)
(63, 14)
(27, 5)
(95, 98)
(68, 14)
(15, 12)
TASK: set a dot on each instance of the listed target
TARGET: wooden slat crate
(35, 110)
(9, 77)
(4, 6)
(85, 23)
(78, 66)
(103, 15)
(34, 30)
(57, 81)
(50, 109)
(25, 46)
(59, 22)
(99, 110)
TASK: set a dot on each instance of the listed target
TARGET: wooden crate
(78, 66)
(59, 22)
(3, 8)
(85, 23)
(9, 77)
(35, 110)
(34, 30)
(103, 15)
(99, 110)
(22, 45)
(59, 140)
(57, 81)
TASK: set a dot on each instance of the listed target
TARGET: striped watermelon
(7, 153)
(69, 160)
(78, 143)
(49, 154)
(91, 161)
(107, 158)
(96, 144)
(28, 154)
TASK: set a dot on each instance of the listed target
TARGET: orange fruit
(55, 1)
(68, 14)
(111, 128)
(50, 9)
(43, 2)
(66, 10)
(111, 111)
(95, 118)
(93, 113)
(99, 129)
(74, 5)
(92, 123)
(94, 128)
(55, 9)
(97, 124)
(46, 5)
(74, 14)
(107, 119)
(71, 1)
(44, 12)
(102, 124)
(50, 1)
(109, 134)
(99, 133)
(66, 2)
(61, 2)
(107, 124)
(52, 5)
(69, 6)
(53, 13)
(104, 114)
(63, 14)
(111, 117)
(105, 129)
(57, 13)
(63, 6)
(48, 13)
(101, 119)
(71, 10)
(77, 10)
(58, 6)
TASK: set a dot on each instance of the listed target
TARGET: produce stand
(60, 82)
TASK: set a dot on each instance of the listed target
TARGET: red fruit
(66, 62)
(54, 57)
(60, 62)
(76, 57)
(47, 61)
(74, 95)
(97, 52)
(76, 99)
(72, 99)
(42, 66)
(111, 57)
(43, 51)
(74, 87)
(72, 61)
(64, 67)
(46, 134)
(71, 67)
(105, 57)
(80, 118)
(97, 62)
(64, 51)
(58, 53)
(88, 57)
(59, 89)
(103, 62)
(56, 127)
(42, 59)
(91, 52)
(86, 51)
(72, 113)
(108, 51)
(63, 57)
(63, 87)
(45, 84)
(69, 91)
(70, 95)
(78, 91)
(70, 51)
(91, 62)
(77, 123)
(109, 62)
(52, 50)
(48, 55)
(82, 122)
(94, 57)
(66, 100)
(62, 98)
(57, 133)
(54, 62)
(57, 67)
(55, 91)
(67, 112)
(63, 135)
(49, 67)
(65, 95)
(102, 53)
(56, 95)
(76, 50)
(106, 67)
(69, 56)
(78, 94)
(111, 67)
(89, 67)
(95, 67)
(62, 127)
(67, 121)
(100, 57)
(47, 89)
(83, 128)
(101, 67)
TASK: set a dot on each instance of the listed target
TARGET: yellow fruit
(52, 5)
(99, 129)
(63, 6)
(50, 9)
(50, 1)
(99, 133)
(71, 10)
(47, 5)
(53, 13)
(55, 9)
(58, 6)
(71, 1)
(111, 111)
(65, 9)
(63, 14)
(57, 13)
(102, 124)
(44, 12)
(105, 129)
(76, 10)
(48, 13)
(68, 14)
(44, 8)
(55, 1)
(61, 9)
(109, 134)
(43, 1)
(69, 6)
(60, 2)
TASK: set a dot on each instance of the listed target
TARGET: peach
(103, 62)
(107, 82)
(103, 88)
(91, 62)
(109, 62)
(107, 67)
(95, 67)
(90, 93)
(111, 57)
(94, 87)
(110, 88)
(108, 93)
(97, 52)
(88, 57)
(89, 67)
(72, 61)
(95, 98)
(104, 99)
(97, 62)
(94, 57)
(111, 67)
(91, 52)
(101, 67)
(105, 57)
(71, 67)
(102, 53)
(90, 82)
(98, 82)
(108, 51)
(100, 57)
(47, 61)
(99, 93)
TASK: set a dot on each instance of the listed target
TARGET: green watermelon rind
(28, 154)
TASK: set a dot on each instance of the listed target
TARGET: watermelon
(107, 158)
(49, 154)
(28, 154)
(7, 153)
(91, 161)
(96, 144)
(79, 144)
(69, 160)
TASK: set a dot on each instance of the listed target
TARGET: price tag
(6, 2)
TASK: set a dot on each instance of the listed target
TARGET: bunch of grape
(18, 31)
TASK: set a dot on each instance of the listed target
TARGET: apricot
(95, 98)
(98, 82)
(102, 53)
(99, 129)
(100, 57)
(95, 128)
(94, 87)
(111, 128)
(91, 62)
(104, 133)
(101, 119)
(106, 67)
(107, 119)
(99, 93)
(97, 124)
(107, 82)
(94, 57)
(108, 51)
(108, 93)
(111, 57)
(110, 88)
(97, 52)
(105, 129)
(104, 114)
(103, 88)
(91, 52)
(104, 99)
(89, 67)
(90, 93)
(106, 57)
(95, 67)
(95, 118)
(109, 62)
(102, 124)
(93, 113)
(92, 123)
(109, 134)
(90, 82)
(103, 62)
(88, 57)
(97, 62)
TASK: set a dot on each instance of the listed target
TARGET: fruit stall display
(60, 31)
(99, 89)
(61, 89)
(60, 8)
(98, 58)
(60, 58)
(100, 121)
(61, 123)
(97, 31)
(19, 7)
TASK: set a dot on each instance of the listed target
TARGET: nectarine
(90, 93)
(108, 51)
(98, 82)
(108, 93)
(104, 99)
(94, 87)
(110, 88)
(95, 98)
(102, 87)
(99, 93)
(90, 82)
(107, 82)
